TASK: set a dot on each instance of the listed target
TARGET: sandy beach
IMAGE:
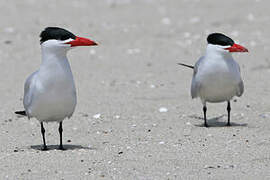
(135, 118)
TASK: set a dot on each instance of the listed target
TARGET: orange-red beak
(237, 48)
(80, 41)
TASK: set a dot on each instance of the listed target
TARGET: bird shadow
(214, 122)
(66, 147)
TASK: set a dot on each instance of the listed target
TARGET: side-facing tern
(50, 93)
(216, 76)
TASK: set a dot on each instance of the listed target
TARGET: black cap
(55, 33)
(219, 39)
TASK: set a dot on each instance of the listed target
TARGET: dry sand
(127, 79)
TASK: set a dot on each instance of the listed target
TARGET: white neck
(55, 64)
(52, 56)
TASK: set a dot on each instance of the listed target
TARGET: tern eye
(65, 37)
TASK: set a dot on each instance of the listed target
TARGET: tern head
(223, 43)
(60, 39)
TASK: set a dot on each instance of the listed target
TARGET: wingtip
(23, 113)
(189, 66)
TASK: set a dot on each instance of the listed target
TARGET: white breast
(52, 93)
(217, 79)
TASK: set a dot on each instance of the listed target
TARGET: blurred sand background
(135, 118)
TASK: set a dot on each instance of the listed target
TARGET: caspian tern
(50, 93)
(216, 76)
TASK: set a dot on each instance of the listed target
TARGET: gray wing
(195, 85)
(28, 91)
(240, 85)
(240, 88)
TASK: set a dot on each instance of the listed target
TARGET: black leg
(229, 113)
(60, 129)
(43, 136)
(204, 113)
